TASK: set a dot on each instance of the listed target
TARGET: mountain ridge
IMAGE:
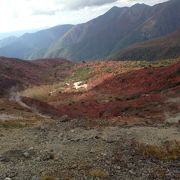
(99, 38)
(130, 25)
(33, 45)
(106, 23)
(161, 48)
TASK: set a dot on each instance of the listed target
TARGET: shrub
(47, 178)
(168, 151)
(134, 96)
(81, 74)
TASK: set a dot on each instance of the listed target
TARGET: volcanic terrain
(90, 120)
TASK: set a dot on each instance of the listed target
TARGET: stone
(74, 166)
(118, 167)
(31, 148)
(46, 156)
(3, 159)
(34, 178)
(26, 155)
(110, 140)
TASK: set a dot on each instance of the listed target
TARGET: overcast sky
(18, 15)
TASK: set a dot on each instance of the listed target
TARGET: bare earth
(67, 148)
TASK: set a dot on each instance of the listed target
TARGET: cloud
(45, 12)
(35, 14)
(150, 2)
(79, 4)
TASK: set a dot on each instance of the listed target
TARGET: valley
(55, 129)
(94, 94)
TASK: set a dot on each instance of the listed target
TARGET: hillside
(92, 101)
(103, 120)
(110, 89)
(95, 39)
(130, 93)
(117, 29)
(161, 48)
(164, 20)
(19, 73)
(33, 45)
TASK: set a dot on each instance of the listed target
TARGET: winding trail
(16, 98)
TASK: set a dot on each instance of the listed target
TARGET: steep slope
(165, 20)
(117, 29)
(161, 48)
(95, 39)
(20, 73)
(33, 45)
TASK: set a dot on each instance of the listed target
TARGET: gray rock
(34, 178)
(7, 178)
(110, 139)
(26, 154)
(3, 159)
(46, 156)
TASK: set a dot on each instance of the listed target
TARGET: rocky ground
(66, 148)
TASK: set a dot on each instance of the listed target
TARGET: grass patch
(42, 92)
(38, 92)
(97, 173)
(12, 125)
(159, 63)
(109, 70)
(134, 96)
(168, 151)
(81, 74)
(47, 178)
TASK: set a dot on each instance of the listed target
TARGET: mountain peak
(140, 5)
(114, 8)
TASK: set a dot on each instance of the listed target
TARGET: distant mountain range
(33, 45)
(112, 35)
(4, 35)
(6, 41)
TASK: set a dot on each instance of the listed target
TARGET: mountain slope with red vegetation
(142, 81)
(16, 72)
(142, 94)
